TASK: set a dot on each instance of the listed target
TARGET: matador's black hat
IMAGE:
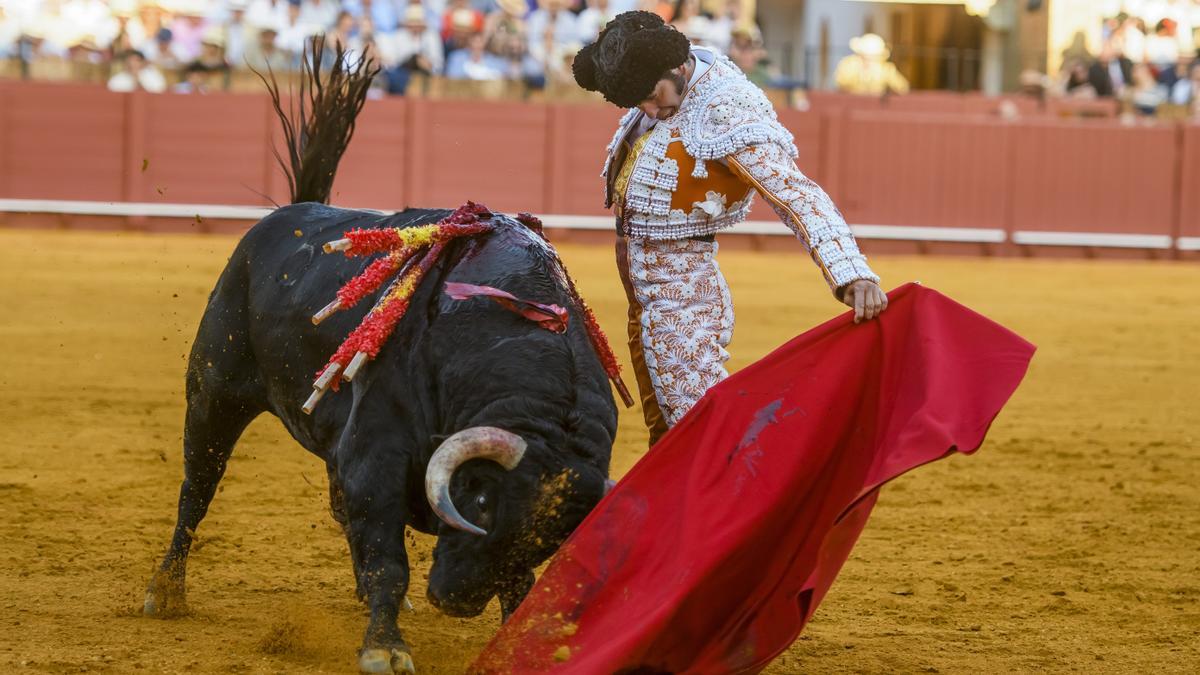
(629, 58)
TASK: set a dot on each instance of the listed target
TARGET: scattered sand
(1069, 543)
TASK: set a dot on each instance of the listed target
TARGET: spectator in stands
(381, 13)
(160, 53)
(1130, 37)
(688, 18)
(265, 53)
(549, 26)
(746, 50)
(126, 25)
(195, 80)
(320, 13)
(1162, 48)
(474, 62)
(261, 13)
(137, 74)
(187, 30)
(1145, 94)
(868, 71)
(344, 28)
(364, 39)
(507, 34)
(505, 31)
(238, 33)
(367, 49)
(89, 18)
(559, 76)
(1076, 82)
(552, 18)
(294, 33)
(1110, 74)
(459, 24)
(463, 9)
(729, 20)
(144, 29)
(594, 18)
(212, 51)
(416, 50)
(1175, 81)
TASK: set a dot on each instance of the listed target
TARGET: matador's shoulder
(730, 114)
(626, 119)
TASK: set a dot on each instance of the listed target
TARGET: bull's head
(515, 511)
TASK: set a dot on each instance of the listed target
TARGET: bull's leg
(377, 513)
(337, 509)
(211, 429)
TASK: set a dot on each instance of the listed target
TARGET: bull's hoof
(165, 597)
(387, 661)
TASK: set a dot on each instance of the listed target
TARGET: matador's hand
(867, 299)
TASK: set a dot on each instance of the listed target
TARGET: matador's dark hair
(629, 58)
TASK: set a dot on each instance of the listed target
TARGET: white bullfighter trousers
(680, 323)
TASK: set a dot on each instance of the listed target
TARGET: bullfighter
(699, 141)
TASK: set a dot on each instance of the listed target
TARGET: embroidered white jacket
(727, 120)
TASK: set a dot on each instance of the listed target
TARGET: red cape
(715, 550)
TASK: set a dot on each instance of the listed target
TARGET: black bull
(450, 366)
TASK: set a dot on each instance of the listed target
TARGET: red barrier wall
(881, 166)
(1095, 177)
(495, 154)
(63, 142)
(949, 171)
(376, 169)
(578, 135)
(199, 149)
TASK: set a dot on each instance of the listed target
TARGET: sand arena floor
(1070, 543)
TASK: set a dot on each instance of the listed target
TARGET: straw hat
(414, 15)
(214, 35)
(870, 46)
(517, 8)
(463, 19)
(187, 7)
(125, 9)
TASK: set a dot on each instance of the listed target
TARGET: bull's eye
(481, 501)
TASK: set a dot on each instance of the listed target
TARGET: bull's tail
(318, 124)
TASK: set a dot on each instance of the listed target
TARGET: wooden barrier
(63, 141)
(578, 136)
(924, 176)
(1099, 177)
(946, 171)
(376, 170)
(494, 153)
(210, 149)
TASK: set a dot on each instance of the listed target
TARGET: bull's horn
(500, 446)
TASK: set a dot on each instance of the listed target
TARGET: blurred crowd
(1151, 65)
(194, 45)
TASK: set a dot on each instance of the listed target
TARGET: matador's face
(667, 96)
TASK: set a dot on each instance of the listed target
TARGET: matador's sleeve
(805, 208)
